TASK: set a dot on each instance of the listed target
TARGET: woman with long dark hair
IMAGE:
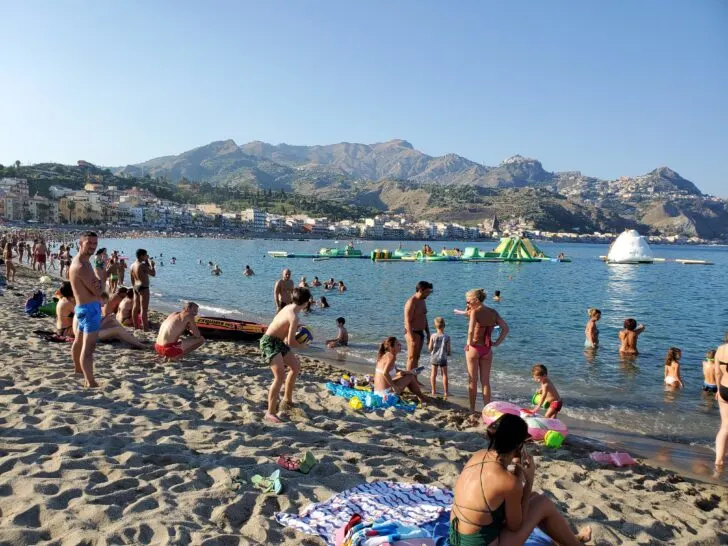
(387, 378)
(493, 503)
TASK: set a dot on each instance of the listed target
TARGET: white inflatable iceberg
(630, 248)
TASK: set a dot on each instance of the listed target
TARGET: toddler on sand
(439, 346)
(548, 393)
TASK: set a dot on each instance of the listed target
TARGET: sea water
(544, 304)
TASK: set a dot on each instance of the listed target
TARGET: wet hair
(673, 355)
(593, 311)
(422, 286)
(539, 370)
(630, 324)
(497, 292)
(439, 322)
(300, 296)
(140, 253)
(386, 345)
(65, 290)
(506, 434)
(477, 293)
(710, 355)
(341, 320)
(324, 301)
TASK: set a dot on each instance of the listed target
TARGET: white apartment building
(255, 217)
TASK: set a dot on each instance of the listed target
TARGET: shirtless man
(122, 270)
(40, 252)
(283, 289)
(87, 289)
(628, 337)
(276, 348)
(113, 273)
(415, 323)
(168, 343)
(140, 272)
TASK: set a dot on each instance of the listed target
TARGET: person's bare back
(168, 342)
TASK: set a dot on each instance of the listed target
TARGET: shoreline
(148, 457)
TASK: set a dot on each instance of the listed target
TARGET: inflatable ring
(494, 410)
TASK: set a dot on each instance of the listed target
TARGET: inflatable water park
(631, 248)
(510, 249)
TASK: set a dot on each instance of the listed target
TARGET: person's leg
(541, 512)
(189, 344)
(721, 439)
(277, 366)
(293, 368)
(87, 357)
(145, 309)
(484, 363)
(410, 339)
(410, 382)
(443, 370)
(414, 361)
(433, 380)
(117, 331)
(136, 310)
(76, 347)
(471, 359)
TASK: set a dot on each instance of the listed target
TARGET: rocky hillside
(394, 175)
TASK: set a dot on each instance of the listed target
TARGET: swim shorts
(556, 406)
(170, 350)
(113, 277)
(439, 363)
(89, 317)
(270, 346)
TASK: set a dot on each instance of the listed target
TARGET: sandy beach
(148, 458)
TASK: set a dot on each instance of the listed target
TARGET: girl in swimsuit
(591, 331)
(64, 310)
(387, 378)
(494, 506)
(672, 368)
(721, 378)
(478, 350)
(9, 265)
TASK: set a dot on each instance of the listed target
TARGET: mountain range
(394, 176)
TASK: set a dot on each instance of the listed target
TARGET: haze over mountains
(395, 176)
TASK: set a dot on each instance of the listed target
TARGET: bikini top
(498, 515)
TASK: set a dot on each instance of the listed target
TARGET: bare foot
(584, 534)
(271, 418)
(92, 385)
(286, 405)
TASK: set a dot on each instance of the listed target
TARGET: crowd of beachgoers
(493, 498)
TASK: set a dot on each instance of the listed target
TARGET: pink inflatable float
(537, 426)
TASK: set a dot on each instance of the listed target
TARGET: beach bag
(34, 303)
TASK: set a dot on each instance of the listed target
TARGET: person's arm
(292, 329)
(471, 329)
(429, 344)
(667, 372)
(95, 284)
(639, 329)
(151, 269)
(716, 371)
(679, 378)
(503, 330)
(447, 346)
(277, 292)
(192, 328)
(408, 316)
(542, 398)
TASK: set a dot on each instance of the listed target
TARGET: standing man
(415, 323)
(283, 290)
(87, 288)
(140, 272)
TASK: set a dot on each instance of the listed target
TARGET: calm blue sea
(544, 303)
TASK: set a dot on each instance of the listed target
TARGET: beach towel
(369, 400)
(409, 503)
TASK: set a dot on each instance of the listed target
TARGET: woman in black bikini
(721, 378)
(64, 310)
(494, 506)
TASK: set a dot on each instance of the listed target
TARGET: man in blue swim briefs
(87, 289)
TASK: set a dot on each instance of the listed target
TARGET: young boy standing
(439, 346)
(548, 393)
(276, 348)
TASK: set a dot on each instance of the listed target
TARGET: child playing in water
(497, 296)
(672, 368)
(709, 383)
(342, 336)
(548, 393)
(439, 346)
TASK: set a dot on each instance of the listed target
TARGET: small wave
(218, 310)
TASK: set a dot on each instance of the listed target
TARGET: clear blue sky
(608, 88)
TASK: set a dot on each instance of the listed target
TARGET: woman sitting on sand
(493, 505)
(591, 331)
(64, 310)
(387, 378)
(478, 352)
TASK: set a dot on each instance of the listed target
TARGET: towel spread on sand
(408, 503)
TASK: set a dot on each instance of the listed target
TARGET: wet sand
(148, 457)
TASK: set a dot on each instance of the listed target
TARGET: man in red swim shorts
(168, 342)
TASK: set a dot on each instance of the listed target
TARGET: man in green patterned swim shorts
(276, 348)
